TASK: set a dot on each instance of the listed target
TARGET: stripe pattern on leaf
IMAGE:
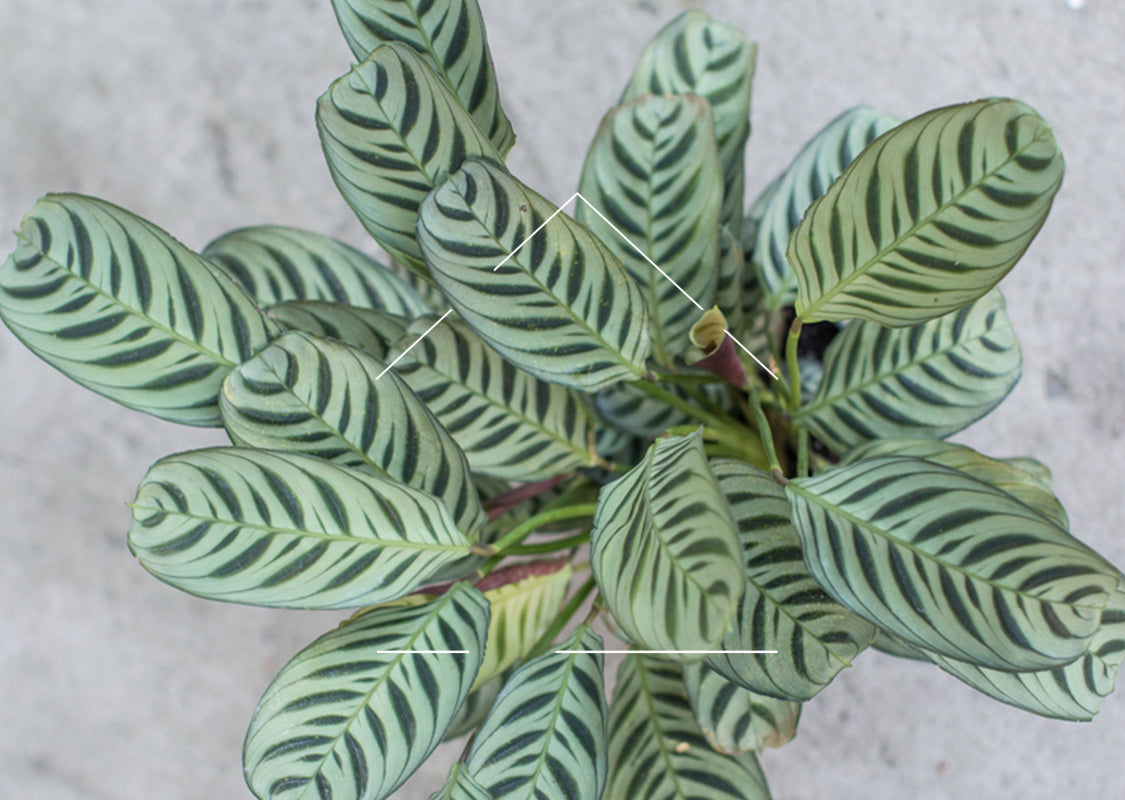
(736, 720)
(344, 720)
(287, 530)
(118, 305)
(545, 736)
(929, 217)
(949, 563)
(562, 307)
(927, 381)
(320, 397)
(372, 331)
(460, 786)
(664, 550)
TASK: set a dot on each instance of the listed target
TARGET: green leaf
(391, 131)
(369, 330)
(509, 423)
(118, 305)
(545, 736)
(949, 563)
(320, 397)
(349, 718)
(784, 608)
(735, 293)
(664, 550)
(287, 530)
(1035, 469)
(927, 381)
(476, 706)
(928, 217)
(274, 264)
(735, 720)
(656, 749)
(696, 54)
(562, 307)
(450, 35)
(653, 172)
(629, 408)
(460, 786)
(807, 178)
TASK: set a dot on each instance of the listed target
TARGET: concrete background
(198, 115)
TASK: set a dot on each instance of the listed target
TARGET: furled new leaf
(118, 305)
(287, 530)
(509, 423)
(373, 331)
(664, 550)
(949, 563)
(275, 264)
(784, 608)
(656, 749)
(450, 35)
(540, 288)
(391, 130)
(460, 786)
(735, 720)
(654, 188)
(352, 716)
(928, 217)
(545, 736)
(927, 381)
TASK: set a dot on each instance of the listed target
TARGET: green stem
(530, 525)
(666, 397)
(766, 434)
(684, 379)
(802, 452)
(794, 370)
(550, 546)
(544, 642)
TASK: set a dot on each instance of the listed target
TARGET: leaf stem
(802, 452)
(766, 434)
(791, 360)
(551, 546)
(668, 398)
(559, 622)
(530, 525)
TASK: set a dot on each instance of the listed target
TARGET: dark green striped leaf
(784, 608)
(287, 530)
(629, 408)
(460, 786)
(562, 307)
(652, 173)
(948, 563)
(736, 720)
(927, 381)
(656, 749)
(736, 294)
(476, 706)
(321, 397)
(450, 35)
(274, 264)
(509, 423)
(928, 217)
(369, 330)
(545, 736)
(664, 550)
(118, 305)
(392, 130)
(350, 718)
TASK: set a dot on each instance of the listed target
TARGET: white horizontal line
(424, 652)
(666, 652)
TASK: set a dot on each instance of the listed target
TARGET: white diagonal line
(666, 652)
(420, 338)
(541, 227)
(746, 350)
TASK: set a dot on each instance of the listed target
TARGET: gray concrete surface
(198, 115)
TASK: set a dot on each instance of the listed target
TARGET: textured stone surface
(198, 115)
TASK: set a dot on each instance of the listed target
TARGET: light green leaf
(656, 749)
(1034, 468)
(369, 330)
(808, 177)
(949, 563)
(735, 720)
(118, 305)
(927, 381)
(476, 706)
(509, 423)
(274, 263)
(287, 530)
(351, 718)
(653, 172)
(784, 608)
(629, 408)
(696, 54)
(664, 550)
(929, 217)
(391, 131)
(460, 786)
(450, 35)
(545, 736)
(561, 307)
(735, 293)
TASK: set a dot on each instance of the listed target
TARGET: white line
(541, 227)
(746, 350)
(420, 338)
(423, 652)
(666, 652)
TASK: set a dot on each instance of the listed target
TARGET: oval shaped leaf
(735, 720)
(652, 176)
(948, 563)
(369, 330)
(509, 423)
(927, 381)
(351, 716)
(541, 289)
(118, 305)
(928, 217)
(287, 530)
(546, 733)
(664, 550)
(320, 397)
(392, 130)
(784, 608)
